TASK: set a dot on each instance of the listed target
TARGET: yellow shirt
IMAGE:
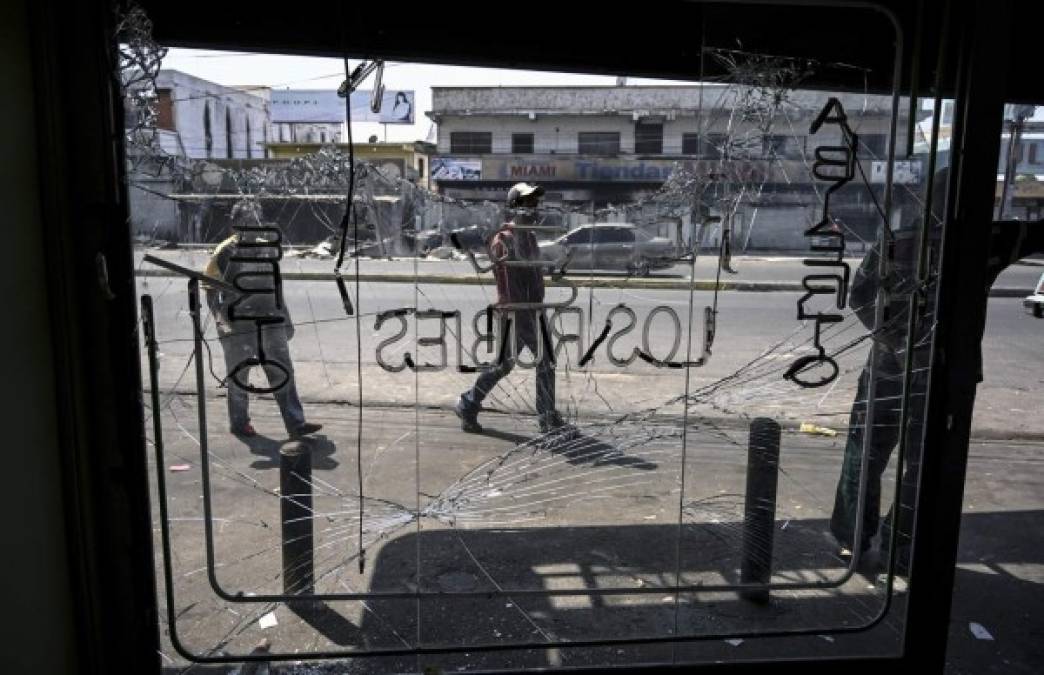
(213, 268)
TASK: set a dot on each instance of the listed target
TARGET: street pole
(759, 510)
(295, 510)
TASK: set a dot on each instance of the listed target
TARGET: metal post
(295, 511)
(759, 510)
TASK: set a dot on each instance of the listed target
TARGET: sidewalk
(500, 512)
(547, 517)
(608, 395)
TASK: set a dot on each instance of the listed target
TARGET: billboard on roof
(325, 106)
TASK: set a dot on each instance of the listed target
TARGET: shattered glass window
(783, 147)
(396, 417)
(704, 145)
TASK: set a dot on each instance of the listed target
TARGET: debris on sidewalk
(979, 631)
(180, 467)
(322, 250)
(809, 428)
(268, 620)
(735, 642)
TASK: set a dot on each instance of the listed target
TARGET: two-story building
(595, 146)
(206, 120)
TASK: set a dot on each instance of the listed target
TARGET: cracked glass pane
(434, 403)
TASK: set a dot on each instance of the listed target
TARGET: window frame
(459, 147)
(654, 141)
(515, 136)
(606, 136)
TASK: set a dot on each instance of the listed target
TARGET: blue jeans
(242, 344)
(525, 325)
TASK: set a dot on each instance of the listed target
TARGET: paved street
(754, 267)
(749, 323)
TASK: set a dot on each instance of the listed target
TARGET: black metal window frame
(99, 395)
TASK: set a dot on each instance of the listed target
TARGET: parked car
(612, 246)
(472, 238)
(1035, 302)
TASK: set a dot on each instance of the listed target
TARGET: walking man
(240, 337)
(516, 284)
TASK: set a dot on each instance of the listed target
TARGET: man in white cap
(517, 284)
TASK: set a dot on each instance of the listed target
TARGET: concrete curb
(578, 281)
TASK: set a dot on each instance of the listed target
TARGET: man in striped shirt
(517, 283)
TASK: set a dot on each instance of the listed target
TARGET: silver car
(612, 246)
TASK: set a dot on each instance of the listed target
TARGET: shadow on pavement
(998, 585)
(517, 439)
(579, 449)
(327, 622)
(639, 557)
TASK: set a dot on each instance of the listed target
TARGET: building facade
(211, 121)
(199, 120)
(597, 146)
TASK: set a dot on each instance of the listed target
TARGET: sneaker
(869, 559)
(468, 418)
(305, 429)
(247, 431)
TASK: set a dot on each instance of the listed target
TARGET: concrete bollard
(759, 511)
(295, 511)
